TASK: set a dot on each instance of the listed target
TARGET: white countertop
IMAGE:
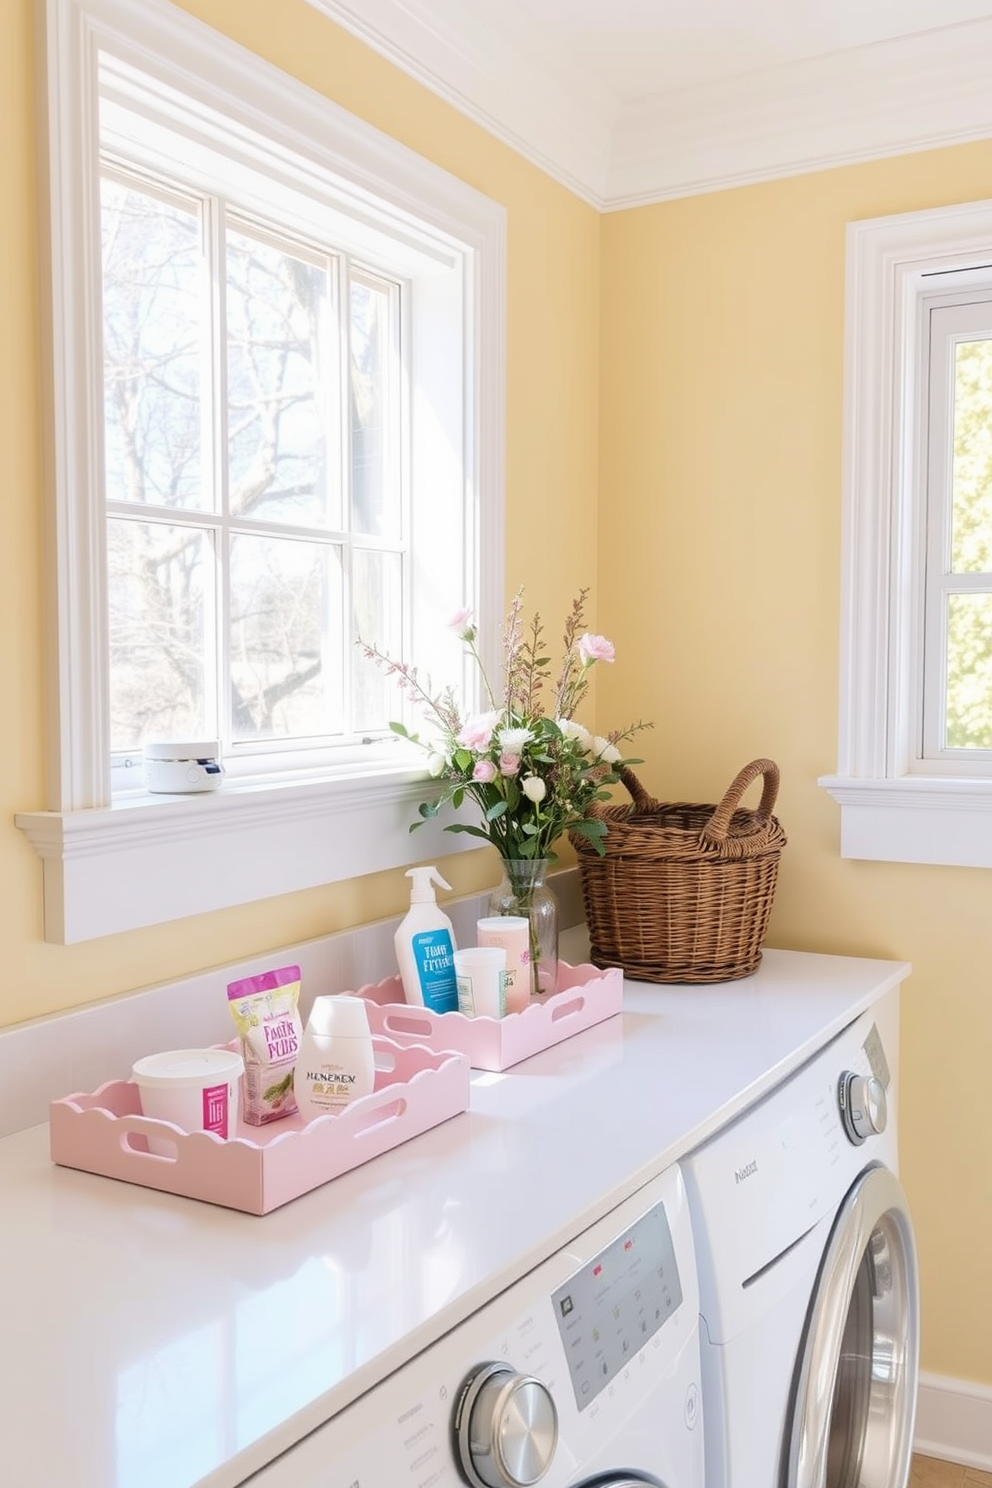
(149, 1341)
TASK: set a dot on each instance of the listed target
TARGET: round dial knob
(506, 1428)
(863, 1106)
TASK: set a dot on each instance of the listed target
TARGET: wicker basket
(684, 891)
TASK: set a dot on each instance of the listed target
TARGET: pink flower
(477, 732)
(485, 771)
(463, 625)
(509, 764)
(595, 648)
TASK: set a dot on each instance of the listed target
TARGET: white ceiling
(632, 101)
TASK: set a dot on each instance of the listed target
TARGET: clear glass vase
(524, 890)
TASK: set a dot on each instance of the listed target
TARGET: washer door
(855, 1390)
(621, 1480)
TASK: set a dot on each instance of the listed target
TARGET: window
(254, 460)
(276, 424)
(914, 777)
(956, 673)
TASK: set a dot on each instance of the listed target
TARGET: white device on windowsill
(178, 767)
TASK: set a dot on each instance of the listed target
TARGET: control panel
(589, 1363)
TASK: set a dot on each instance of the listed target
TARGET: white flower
(534, 788)
(603, 750)
(572, 730)
(512, 740)
(436, 764)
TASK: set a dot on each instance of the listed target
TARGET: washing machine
(583, 1374)
(808, 1276)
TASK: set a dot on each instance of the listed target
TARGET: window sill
(153, 859)
(913, 819)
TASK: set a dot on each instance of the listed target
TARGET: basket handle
(642, 801)
(718, 825)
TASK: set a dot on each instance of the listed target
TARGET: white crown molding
(911, 93)
(561, 122)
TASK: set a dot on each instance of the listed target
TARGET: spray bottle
(425, 947)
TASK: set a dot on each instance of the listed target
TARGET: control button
(863, 1107)
(691, 1406)
(505, 1428)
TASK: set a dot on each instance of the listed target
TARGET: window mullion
(219, 431)
(940, 417)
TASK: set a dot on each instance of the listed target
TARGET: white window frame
(111, 866)
(893, 807)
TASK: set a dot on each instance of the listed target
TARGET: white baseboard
(954, 1421)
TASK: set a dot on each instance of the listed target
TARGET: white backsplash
(83, 1048)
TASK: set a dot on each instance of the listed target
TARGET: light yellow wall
(720, 506)
(551, 469)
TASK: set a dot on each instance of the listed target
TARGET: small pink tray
(586, 995)
(261, 1167)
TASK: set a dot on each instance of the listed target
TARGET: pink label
(215, 1109)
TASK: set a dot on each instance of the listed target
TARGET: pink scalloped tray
(262, 1167)
(586, 995)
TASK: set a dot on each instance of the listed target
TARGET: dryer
(585, 1373)
(808, 1276)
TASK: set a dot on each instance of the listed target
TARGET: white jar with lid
(196, 1089)
(180, 767)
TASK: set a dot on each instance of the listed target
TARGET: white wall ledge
(915, 819)
(152, 859)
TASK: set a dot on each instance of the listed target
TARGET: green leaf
(594, 831)
(398, 728)
(465, 827)
(496, 810)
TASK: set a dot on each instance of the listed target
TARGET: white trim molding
(146, 861)
(892, 807)
(913, 92)
(954, 1421)
(915, 820)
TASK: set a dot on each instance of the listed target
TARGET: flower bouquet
(530, 767)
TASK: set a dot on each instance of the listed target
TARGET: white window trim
(890, 810)
(109, 868)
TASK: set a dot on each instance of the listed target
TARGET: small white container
(481, 975)
(512, 932)
(195, 1089)
(336, 1062)
(180, 767)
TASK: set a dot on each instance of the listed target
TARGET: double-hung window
(914, 778)
(956, 671)
(276, 428)
(254, 458)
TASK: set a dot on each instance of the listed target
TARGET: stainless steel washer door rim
(855, 1398)
(621, 1480)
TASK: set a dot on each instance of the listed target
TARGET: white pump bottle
(425, 947)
